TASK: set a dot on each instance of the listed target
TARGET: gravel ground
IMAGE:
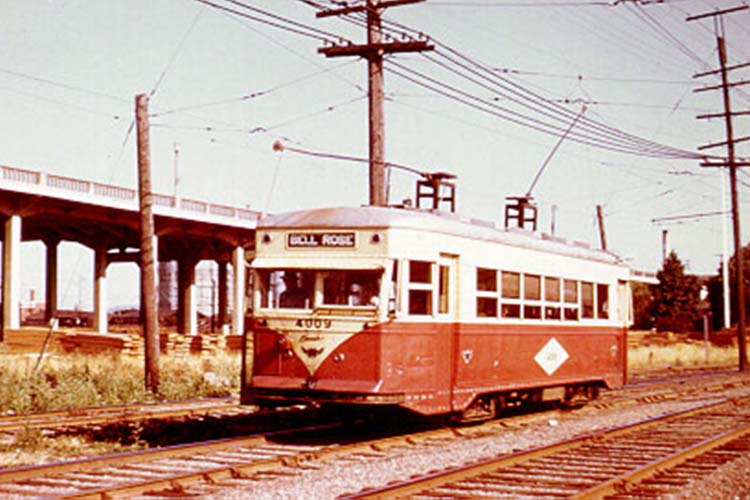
(732, 481)
(336, 477)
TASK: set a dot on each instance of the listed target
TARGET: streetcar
(430, 312)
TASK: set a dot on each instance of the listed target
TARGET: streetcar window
(350, 288)
(420, 271)
(532, 312)
(486, 280)
(552, 294)
(420, 302)
(288, 289)
(587, 300)
(487, 307)
(551, 312)
(420, 288)
(552, 289)
(532, 287)
(486, 293)
(602, 301)
(571, 313)
(570, 290)
(511, 285)
(511, 311)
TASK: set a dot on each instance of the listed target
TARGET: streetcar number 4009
(313, 323)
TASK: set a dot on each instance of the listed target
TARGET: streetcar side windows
(534, 297)
(551, 298)
(511, 286)
(602, 301)
(532, 294)
(587, 300)
(486, 293)
(420, 288)
(570, 298)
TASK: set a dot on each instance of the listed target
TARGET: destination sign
(317, 240)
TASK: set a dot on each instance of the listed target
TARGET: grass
(76, 381)
(679, 355)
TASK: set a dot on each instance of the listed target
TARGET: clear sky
(226, 87)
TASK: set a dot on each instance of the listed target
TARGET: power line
(513, 71)
(278, 22)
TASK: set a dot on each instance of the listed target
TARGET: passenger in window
(355, 295)
(294, 296)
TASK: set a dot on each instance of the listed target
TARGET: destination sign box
(321, 240)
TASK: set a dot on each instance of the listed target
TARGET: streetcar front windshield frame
(308, 289)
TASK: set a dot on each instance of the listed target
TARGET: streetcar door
(447, 308)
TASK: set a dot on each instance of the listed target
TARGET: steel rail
(116, 413)
(15, 474)
(629, 479)
(454, 474)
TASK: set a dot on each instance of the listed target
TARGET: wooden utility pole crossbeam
(375, 48)
(373, 51)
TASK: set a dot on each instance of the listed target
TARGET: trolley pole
(730, 162)
(374, 51)
(148, 275)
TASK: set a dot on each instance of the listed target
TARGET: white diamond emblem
(551, 356)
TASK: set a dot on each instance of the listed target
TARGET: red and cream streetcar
(430, 312)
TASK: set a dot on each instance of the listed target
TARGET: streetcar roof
(373, 217)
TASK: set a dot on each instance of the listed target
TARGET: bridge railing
(59, 182)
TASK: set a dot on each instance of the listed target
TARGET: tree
(676, 297)
(716, 292)
(643, 299)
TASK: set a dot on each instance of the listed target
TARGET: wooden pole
(739, 260)
(148, 274)
(375, 99)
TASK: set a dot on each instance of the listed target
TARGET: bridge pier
(187, 310)
(223, 293)
(101, 320)
(239, 278)
(12, 273)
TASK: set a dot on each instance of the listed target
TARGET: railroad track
(118, 414)
(646, 459)
(202, 468)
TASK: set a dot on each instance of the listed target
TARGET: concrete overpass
(35, 206)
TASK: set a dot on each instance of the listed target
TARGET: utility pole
(600, 220)
(729, 162)
(374, 51)
(148, 275)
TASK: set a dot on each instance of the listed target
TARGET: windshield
(307, 289)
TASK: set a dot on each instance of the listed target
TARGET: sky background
(225, 87)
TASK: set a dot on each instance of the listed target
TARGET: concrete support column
(187, 311)
(50, 302)
(101, 322)
(238, 313)
(12, 273)
(223, 294)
